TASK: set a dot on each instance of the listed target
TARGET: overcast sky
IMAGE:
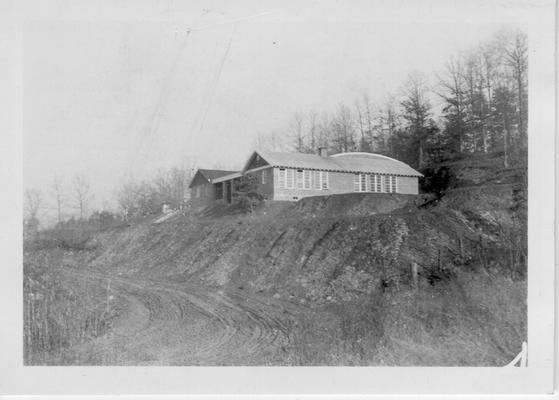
(112, 96)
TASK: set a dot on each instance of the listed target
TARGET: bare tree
(453, 92)
(82, 194)
(58, 194)
(324, 127)
(297, 132)
(361, 125)
(365, 123)
(517, 59)
(388, 122)
(32, 205)
(179, 182)
(127, 196)
(473, 98)
(312, 132)
(416, 109)
(343, 129)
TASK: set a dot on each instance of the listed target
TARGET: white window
(386, 184)
(264, 172)
(393, 184)
(324, 180)
(307, 179)
(281, 178)
(378, 184)
(300, 179)
(290, 174)
(360, 183)
(316, 180)
(374, 183)
(197, 191)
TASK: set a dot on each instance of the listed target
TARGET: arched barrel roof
(354, 162)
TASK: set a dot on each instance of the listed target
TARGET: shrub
(437, 180)
(248, 197)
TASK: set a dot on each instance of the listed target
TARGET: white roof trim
(360, 153)
(227, 177)
(258, 168)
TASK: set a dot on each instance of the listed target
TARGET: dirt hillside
(309, 248)
(327, 280)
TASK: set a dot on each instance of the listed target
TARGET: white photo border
(535, 16)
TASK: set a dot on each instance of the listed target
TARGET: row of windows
(374, 183)
(302, 179)
(318, 180)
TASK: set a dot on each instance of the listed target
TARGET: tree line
(145, 197)
(477, 103)
(71, 201)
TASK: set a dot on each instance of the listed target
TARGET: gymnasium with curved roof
(292, 176)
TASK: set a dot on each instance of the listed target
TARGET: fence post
(414, 274)
(482, 253)
(108, 291)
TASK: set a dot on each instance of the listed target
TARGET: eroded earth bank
(324, 281)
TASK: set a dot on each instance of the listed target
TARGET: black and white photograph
(285, 184)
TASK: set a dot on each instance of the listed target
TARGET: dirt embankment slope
(335, 246)
(324, 281)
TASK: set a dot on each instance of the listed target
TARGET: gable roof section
(203, 176)
(343, 162)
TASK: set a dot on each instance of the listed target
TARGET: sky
(126, 94)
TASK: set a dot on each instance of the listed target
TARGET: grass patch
(59, 312)
(473, 320)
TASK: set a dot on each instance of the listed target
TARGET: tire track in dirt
(247, 325)
(254, 327)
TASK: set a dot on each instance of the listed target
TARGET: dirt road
(166, 323)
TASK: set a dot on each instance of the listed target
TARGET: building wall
(408, 185)
(265, 189)
(339, 183)
(206, 195)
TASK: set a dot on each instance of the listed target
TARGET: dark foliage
(248, 198)
(437, 180)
